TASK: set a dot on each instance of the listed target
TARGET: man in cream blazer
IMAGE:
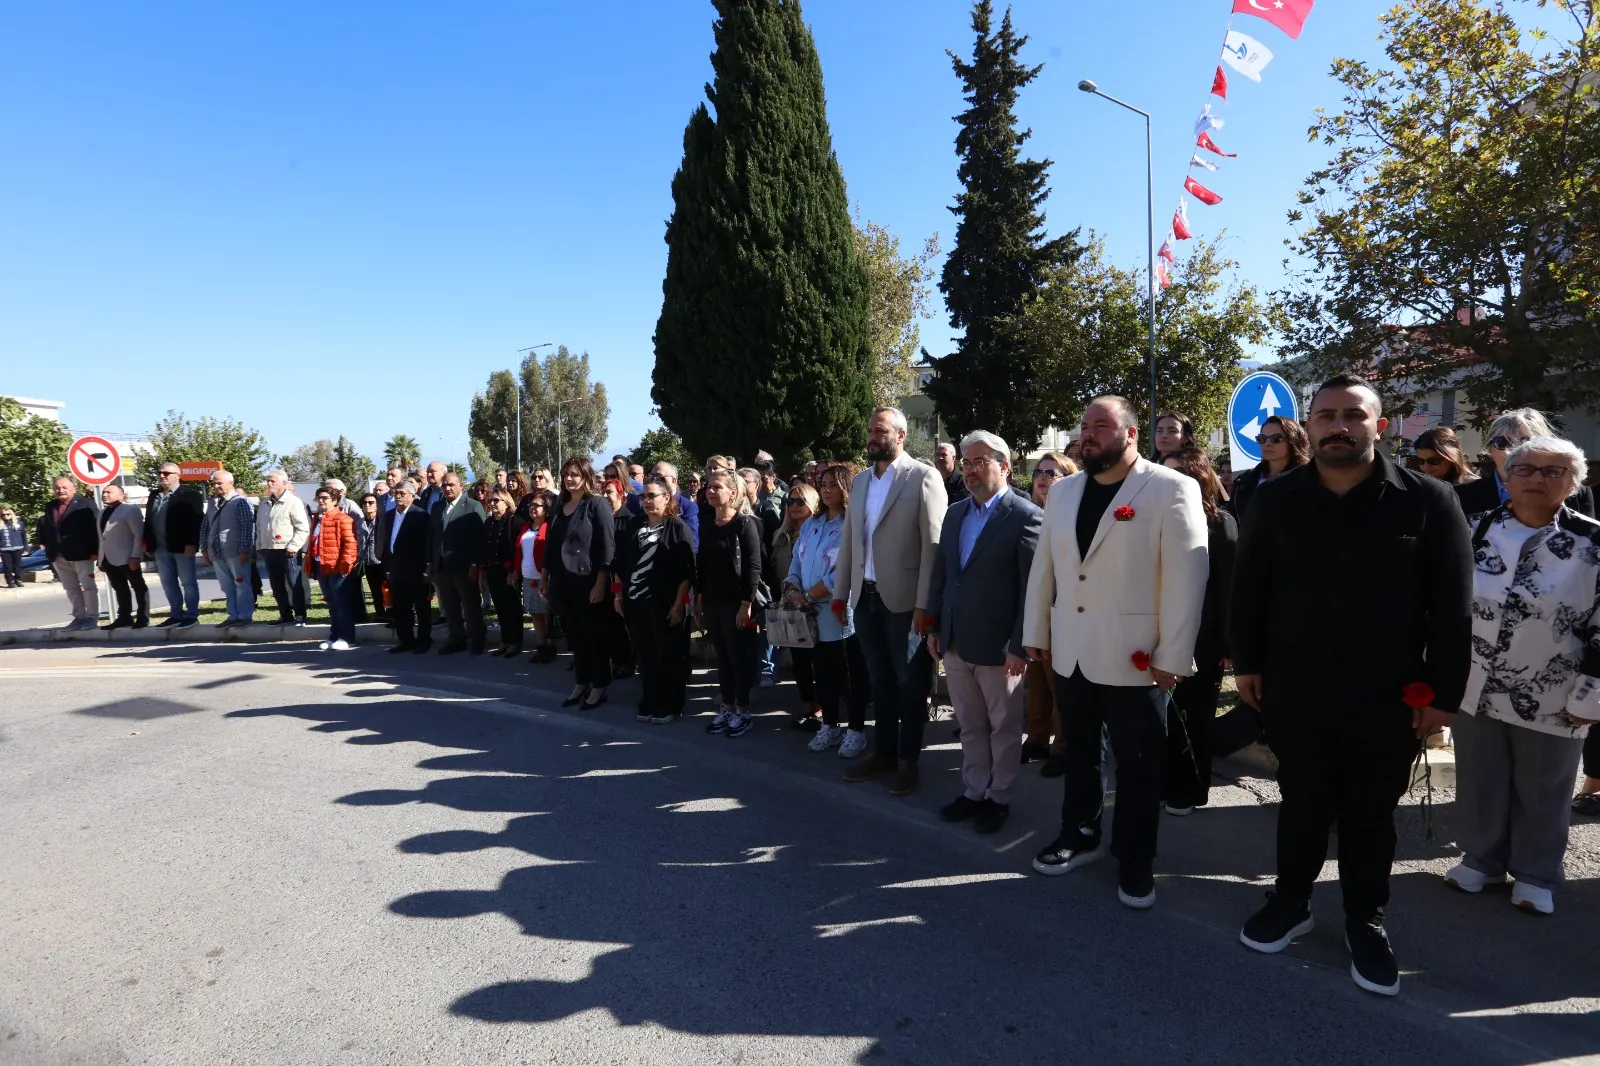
(885, 564)
(1113, 605)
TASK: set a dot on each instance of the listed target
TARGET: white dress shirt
(877, 495)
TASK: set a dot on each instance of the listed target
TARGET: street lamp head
(1088, 86)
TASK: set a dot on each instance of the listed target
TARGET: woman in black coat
(655, 573)
(1186, 783)
(1284, 447)
(577, 578)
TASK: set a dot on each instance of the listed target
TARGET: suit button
(1083, 577)
(1080, 610)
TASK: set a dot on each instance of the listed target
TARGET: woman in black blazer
(1186, 782)
(577, 578)
(655, 574)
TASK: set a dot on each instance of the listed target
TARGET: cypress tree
(1000, 256)
(763, 339)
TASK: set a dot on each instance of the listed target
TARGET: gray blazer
(979, 606)
(903, 542)
(121, 535)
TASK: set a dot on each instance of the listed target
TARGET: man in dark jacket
(455, 556)
(1351, 622)
(403, 539)
(945, 461)
(172, 517)
(69, 533)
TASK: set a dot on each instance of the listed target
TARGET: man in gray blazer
(980, 580)
(884, 568)
(122, 558)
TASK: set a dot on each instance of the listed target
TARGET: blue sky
(339, 218)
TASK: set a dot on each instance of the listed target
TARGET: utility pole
(516, 380)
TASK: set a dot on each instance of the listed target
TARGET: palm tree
(404, 451)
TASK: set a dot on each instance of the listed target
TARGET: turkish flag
(1200, 192)
(1161, 274)
(1288, 15)
(1180, 223)
(1205, 141)
(1219, 84)
(1165, 251)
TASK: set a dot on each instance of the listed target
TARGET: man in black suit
(69, 533)
(403, 547)
(172, 517)
(455, 555)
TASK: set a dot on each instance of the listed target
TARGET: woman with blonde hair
(801, 504)
(729, 596)
(501, 572)
(1506, 432)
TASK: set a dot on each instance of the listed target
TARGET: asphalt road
(263, 854)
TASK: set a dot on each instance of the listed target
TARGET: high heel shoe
(579, 694)
(597, 697)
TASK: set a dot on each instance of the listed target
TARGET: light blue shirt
(973, 521)
(812, 563)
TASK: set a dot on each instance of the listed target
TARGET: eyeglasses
(1044, 472)
(1503, 443)
(1269, 438)
(653, 496)
(978, 463)
(1549, 473)
(1437, 460)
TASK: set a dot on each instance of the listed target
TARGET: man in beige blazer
(1113, 605)
(885, 564)
(122, 558)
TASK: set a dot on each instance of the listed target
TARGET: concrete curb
(199, 634)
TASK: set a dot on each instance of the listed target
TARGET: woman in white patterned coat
(1534, 688)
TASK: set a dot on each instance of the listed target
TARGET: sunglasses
(1505, 444)
(1437, 460)
(1269, 438)
(1048, 473)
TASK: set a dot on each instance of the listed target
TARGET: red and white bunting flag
(1165, 251)
(1196, 161)
(1205, 141)
(1180, 221)
(1246, 55)
(1219, 84)
(1200, 192)
(1288, 15)
(1161, 274)
(1206, 122)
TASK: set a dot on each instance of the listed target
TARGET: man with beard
(883, 571)
(1113, 606)
(1321, 547)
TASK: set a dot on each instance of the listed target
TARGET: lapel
(1002, 509)
(1071, 491)
(1132, 485)
(902, 474)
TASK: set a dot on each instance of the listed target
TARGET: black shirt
(1091, 508)
(730, 560)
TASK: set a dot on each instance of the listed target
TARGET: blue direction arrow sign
(1258, 397)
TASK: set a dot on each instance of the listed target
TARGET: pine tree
(763, 339)
(1000, 256)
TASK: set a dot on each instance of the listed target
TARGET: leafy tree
(401, 450)
(241, 450)
(763, 339)
(898, 289)
(307, 462)
(562, 413)
(348, 465)
(1450, 239)
(482, 463)
(33, 452)
(1000, 256)
(1087, 334)
(663, 445)
(459, 471)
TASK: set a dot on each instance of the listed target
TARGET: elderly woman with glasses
(1505, 433)
(13, 542)
(1534, 689)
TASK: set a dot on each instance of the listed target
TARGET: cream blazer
(905, 542)
(1140, 587)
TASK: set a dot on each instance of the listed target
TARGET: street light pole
(516, 380)
(1150, 235)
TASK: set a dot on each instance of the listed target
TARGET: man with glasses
(282, 529)
(172, 518)
(686, 507)
(228, 544)
(1507, 432)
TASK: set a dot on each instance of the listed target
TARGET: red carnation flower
(1141, 660)
(1123, 514)
(1417, 695)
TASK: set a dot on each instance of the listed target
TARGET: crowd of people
(1096, 606)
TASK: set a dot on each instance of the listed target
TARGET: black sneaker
(1054, 766)
(1136, 886)
(1071, 850)
(172, 620)
(992, 817)
(1372, 964)
(960, 809)
(188, 623)
(1276, 924)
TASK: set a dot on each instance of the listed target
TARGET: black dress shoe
(960, 809)
(422, 648)
(574, 700)
(451, 649)
(398, 648)
(1054, 766)
(117, 623)
(597, 700)
(992, 817)
(475, 649)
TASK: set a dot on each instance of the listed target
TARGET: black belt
(870, 586)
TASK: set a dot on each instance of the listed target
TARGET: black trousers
(12, 561)
(1135, 719)
(507, 606)
(288, 583)
(461, 603)
(805, 673)
(1353, 763)
(128, 586)
(899, 687)
(586, 626)
(375, 575)
(661, 653)
(841, 672)
(619, 641)
(1591, 754)
(408, 597)
(1191, 713)
(738, 653)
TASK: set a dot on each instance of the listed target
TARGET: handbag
(791, 627)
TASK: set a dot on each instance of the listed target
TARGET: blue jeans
(288, 583)
(237, 591)
(336, 589)
(769, 659)
(179, 583)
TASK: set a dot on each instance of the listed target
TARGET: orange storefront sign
(198, 469)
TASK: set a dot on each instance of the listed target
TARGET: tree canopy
(763, 339)
(1450, 240)
(662, 445)
(241, 450)
(898, 287)
(562, 413)
(401, 450)
(33, 452)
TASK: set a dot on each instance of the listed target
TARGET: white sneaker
(324, 645)
(1469, 880)
(341, 645)
(1530, 898)
(854, 743)
(827, 737)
